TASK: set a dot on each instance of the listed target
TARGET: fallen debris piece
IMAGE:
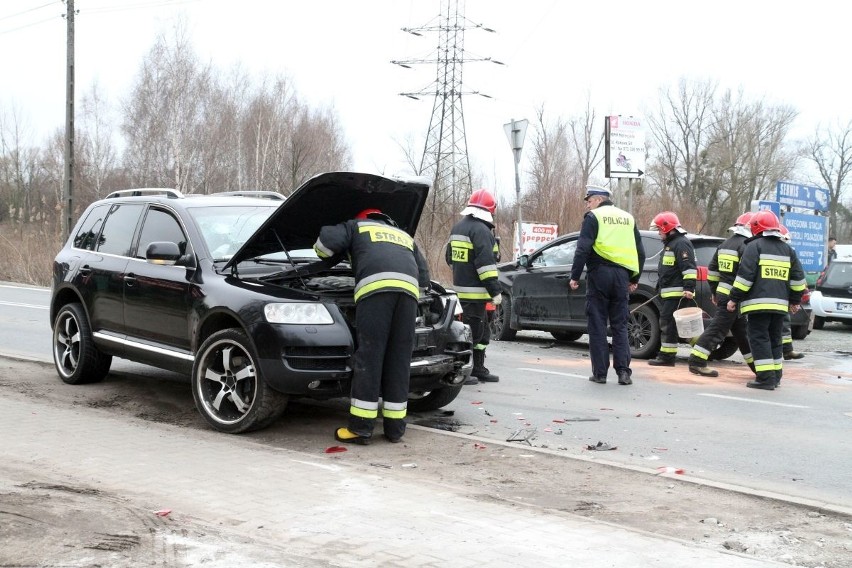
(670, 469)
(163, 512)
(409, 465)
(384, 465)
(448, 413)
(522, 435)
(601, 447)
(479, 446)
(335, 449)
(606, 408)
(476, 402)
(582, 420)
(559, 420)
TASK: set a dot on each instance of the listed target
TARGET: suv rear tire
(643, 331)
(433, 400)
(78, 361)
(500, 330)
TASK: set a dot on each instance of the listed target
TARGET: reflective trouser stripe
(364, 408)
(700, 352)
(764, 365)
(668, 348)
(394, 409)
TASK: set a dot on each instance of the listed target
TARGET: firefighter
(769, 283)
(389, 275)
(720, 276)
(787, 348)
(677, 272)
(471, 254)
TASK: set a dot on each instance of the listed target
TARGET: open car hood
(329, 199)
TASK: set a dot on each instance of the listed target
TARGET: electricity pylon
(445, 158)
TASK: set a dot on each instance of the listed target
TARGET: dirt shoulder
(63, 519)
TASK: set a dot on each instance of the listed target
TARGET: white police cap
(595, 190)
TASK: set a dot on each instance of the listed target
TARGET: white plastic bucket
(689, 322)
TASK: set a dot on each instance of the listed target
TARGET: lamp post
(516, 131)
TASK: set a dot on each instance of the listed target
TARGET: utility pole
(68, 189)
(445, 157)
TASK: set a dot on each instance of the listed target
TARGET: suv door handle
(130, 279)
(85, 270)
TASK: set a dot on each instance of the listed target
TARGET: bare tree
(830, 149)
(96, 157)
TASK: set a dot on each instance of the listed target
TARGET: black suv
(227, 288)
(536, 296)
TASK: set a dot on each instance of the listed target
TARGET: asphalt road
(794, 441)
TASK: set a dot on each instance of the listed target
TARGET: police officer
(720, 276)
(471, 254)
(389, 273)
(769, 283)
(677, 272)
(610, 247)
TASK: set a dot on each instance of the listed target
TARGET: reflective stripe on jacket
(676, 268)
(384, 258)
(770, 276)
(724, 265)
(470, 252)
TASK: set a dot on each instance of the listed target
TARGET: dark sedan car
(536, 296)
(227, 288)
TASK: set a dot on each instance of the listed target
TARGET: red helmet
(744, 219)
(665, 222)
(764, 221)
(367, 212)
(483, 199)
(785, 234)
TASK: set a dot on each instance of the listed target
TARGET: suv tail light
(806, 297)
(701, 274)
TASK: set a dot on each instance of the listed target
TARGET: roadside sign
(533, 236)
(762, 204)
(516, 132)
(801, 196)
(808, 233)
(624, 141)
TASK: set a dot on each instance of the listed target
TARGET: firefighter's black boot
(662, 361)
(480, 371)
(791, 354)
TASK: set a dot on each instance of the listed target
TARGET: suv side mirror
(167, 253)
(524, 260)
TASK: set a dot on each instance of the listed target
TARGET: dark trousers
(474, 315)
(764, 336)
(382, 362)
(668, 330)
(723, 321)
(607, 299)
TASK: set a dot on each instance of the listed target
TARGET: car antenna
(293, 264)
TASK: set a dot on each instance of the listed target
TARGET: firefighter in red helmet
(677, 273)
(720, 276)
(769, 283)
(389, 275)
(471, 253)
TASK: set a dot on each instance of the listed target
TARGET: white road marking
(753, 400)
(552, 373)
(25, 288)
(19, 305)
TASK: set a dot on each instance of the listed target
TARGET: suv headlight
(297, 313)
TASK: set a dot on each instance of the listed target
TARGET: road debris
(163, 512)
(335, 449)
(601, 447)
(669, 469)
(522, 435)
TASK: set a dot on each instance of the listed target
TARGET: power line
(10, 30)
(142, 5)
(28, 10)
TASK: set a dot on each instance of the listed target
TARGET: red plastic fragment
(559, 420)
(476, 402)
(669, 469)
(479, 446)
(335, 449)
(163, 512)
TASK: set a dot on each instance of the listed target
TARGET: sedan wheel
(228, 388)
(77, 359)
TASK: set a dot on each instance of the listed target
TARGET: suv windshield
(225, 228)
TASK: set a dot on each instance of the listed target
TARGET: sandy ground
(46, 524)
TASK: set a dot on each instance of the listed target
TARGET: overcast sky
(339, 52)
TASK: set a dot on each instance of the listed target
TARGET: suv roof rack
(262, 194)
(170, 193)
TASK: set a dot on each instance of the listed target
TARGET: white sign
(534, 236)
(516, 132)
(625, 156)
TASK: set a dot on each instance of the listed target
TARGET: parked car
(831, 300)
(227, 289)
(536, 296)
